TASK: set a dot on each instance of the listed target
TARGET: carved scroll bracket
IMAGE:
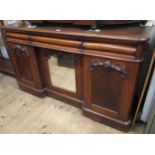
(20, 49)
(108, 66)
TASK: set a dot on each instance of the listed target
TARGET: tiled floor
(21, 112)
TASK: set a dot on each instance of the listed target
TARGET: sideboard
(97, 71)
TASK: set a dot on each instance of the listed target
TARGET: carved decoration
(108, 66)
(21, 50)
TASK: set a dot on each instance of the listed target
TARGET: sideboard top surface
(130, 34)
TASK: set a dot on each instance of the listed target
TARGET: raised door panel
(25, 63)
(109, 86)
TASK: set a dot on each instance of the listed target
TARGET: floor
(21, 112)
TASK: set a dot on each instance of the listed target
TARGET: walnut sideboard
(96, 71)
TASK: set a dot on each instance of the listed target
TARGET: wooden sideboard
(96, 71)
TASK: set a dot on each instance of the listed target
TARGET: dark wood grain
(106, 92)
(26, 66)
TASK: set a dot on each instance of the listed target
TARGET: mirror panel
(62, 70)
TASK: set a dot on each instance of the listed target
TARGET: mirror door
(63, 72)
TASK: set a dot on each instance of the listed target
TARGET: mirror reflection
(62, 70)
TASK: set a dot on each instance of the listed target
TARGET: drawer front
(109, 86)
(66, 45)
(25, 63)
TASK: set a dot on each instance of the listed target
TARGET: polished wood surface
(106, 92)
(122, 35)
(25, 65)
(107, 67)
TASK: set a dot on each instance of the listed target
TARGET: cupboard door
(25, 63)
(109, 86)
(63, 73)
